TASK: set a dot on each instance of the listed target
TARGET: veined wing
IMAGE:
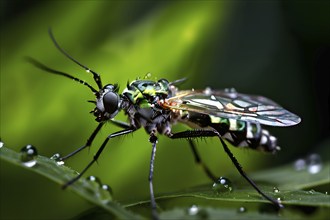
(230, 104)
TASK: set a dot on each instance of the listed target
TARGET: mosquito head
(107, 103)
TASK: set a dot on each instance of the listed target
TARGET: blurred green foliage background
(279, 49)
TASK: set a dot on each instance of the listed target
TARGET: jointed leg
(88, 143)
(241, 171)
(120, 124)
(96, 156)
(199, 161)
(213, 133)
(153, 139)
(93, 135)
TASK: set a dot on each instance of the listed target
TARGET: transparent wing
(230, 104)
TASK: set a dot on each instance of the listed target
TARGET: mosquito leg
(91, 138)
(153, 139)
(88, 143)
(241, 171)
(214, 133)
(199, 161)
(120, 124)
(98, 153)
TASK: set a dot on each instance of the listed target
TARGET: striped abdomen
(238, 132)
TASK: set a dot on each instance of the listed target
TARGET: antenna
(50, 70)
(96, 76)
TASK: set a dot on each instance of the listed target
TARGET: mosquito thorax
(107, 103)
(146, 93)
(141, 102)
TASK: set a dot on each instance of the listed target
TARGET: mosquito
(156, 105)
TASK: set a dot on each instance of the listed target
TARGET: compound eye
(110, 102)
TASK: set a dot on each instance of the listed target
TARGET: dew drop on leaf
(99, 190)
(105, 193)
(314, 163)
(241, 209)
(28, 155)
(299, 164)
(94, 181)
(200, 213)
(312, 191)
(276, 190)
(57, 157)
(222, 185)
(193, 210)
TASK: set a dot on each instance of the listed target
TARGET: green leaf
(286, 177)
(274, 182)
(61, 174)
(297, 191)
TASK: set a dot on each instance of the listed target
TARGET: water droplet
(1, 144)
(99, 190)
(222, 185)
(314, 163)
(57, 157)
(94, 181)
(279, 199)
(107, 188)
(105, 193)
(193, 210)
(276, 190)
(200, 213)
(230, 90)
(148, 76)
(207, 91)
(299, 164)
(241, 209)
(28, 155)
(326, 193)
(93, 185)
(312, 191)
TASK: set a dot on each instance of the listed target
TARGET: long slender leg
(213, 133)
(96, 156)
(120, 124)
(241, 171)
(88, 143)
(199, 161)
(153, 139)
(90, 140)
